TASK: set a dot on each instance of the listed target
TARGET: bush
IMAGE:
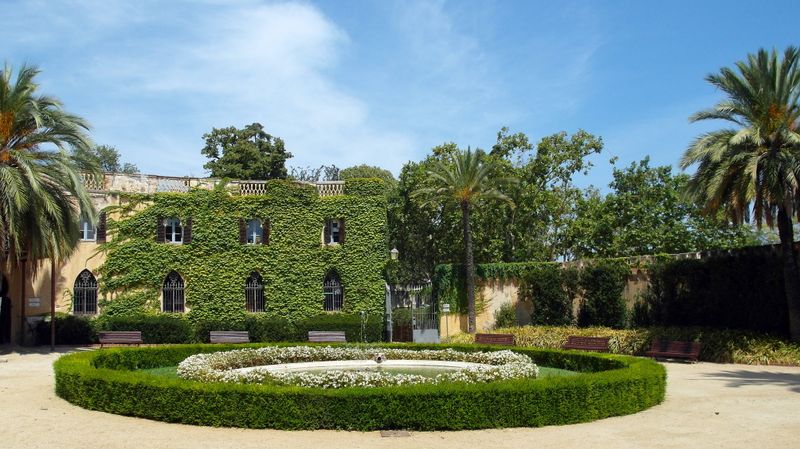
(718, 345)
(70, 330)
(611, 386)
(548, 288)
(266, 328)
(349, 323)
(602, 284)
(505, 316)
(161, 328)
(740, 291)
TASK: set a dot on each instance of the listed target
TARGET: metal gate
(411, 315)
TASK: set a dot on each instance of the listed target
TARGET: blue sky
(381, 82)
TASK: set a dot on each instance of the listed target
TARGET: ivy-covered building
(217, 251)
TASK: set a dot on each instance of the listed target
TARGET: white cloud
(157, 82)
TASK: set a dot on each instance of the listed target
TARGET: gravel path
(708, 405)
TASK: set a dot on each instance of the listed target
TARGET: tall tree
(646, 213)
(41, 190)
(247, 153)
(467, 182)
(108, 159)
(755, 162)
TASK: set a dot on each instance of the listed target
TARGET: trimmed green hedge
(611, 386)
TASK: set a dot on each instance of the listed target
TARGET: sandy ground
(707, 405)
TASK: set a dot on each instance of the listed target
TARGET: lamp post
(395, 254)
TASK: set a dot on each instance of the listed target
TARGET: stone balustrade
(138, 183)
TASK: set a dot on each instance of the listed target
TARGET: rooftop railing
(138, 183)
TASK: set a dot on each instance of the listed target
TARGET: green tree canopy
(368, 171)
(108, 159)
(247, 153)
(647, 213)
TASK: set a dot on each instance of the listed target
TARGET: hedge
(610, 386)
(718, 345)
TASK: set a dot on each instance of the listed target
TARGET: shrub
(505, 316)
(611, 386)
(349, 323)
(265, 328)
(70, 330)
(739, 291)
(547, 287)
(602, 284)
(718, 345)
(161, 328)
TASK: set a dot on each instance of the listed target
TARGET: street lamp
(395, 254)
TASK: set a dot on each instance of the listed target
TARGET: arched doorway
(5, 311)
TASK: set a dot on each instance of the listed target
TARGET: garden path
(708, 405)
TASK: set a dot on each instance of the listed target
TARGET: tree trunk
(791, 280)
(469, 268)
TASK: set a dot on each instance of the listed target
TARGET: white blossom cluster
(221, 366)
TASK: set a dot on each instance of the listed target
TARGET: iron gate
(411, 314)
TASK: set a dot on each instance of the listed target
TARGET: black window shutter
(341, 231)
(265, 231)
(187, 231)
(101, 228)
(161, 233)
(242, 231)
(327, 233)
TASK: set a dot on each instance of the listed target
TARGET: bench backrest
(587, 343)
(495, 339)
(327, 337)
(229, 337)
(676, 347)
(120, 336)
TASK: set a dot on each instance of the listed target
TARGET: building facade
(212, 250)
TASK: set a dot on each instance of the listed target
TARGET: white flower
(221, 366)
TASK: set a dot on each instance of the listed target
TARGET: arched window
(334, 292)
(84, 299)
(254, 293)
(173, 293)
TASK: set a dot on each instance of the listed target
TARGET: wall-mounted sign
(34, 302)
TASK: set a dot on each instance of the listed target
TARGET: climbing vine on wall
(215, 265)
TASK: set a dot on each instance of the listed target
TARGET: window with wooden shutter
(265, 231)
(327, 233)
(187, 231)
(341, 231)
(101, 228)
(161, 232)
(242, 231)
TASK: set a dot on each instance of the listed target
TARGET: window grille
(173, 293)
(334, 292)
(174, 230)
(254, 293)
(87, 230)
(84, 299)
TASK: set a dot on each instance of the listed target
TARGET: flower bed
(111, 380)
(223, 366)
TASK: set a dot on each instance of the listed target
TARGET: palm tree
(41, 190)
(465, 180)
(752, 170)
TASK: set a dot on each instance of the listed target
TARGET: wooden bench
(494, 339)
(327, 337)
(597, 344)
(229, 337)
(667, 349)
(120, 338)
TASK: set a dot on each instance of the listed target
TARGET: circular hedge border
(610, 385)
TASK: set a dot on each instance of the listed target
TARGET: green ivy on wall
(214, 266)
